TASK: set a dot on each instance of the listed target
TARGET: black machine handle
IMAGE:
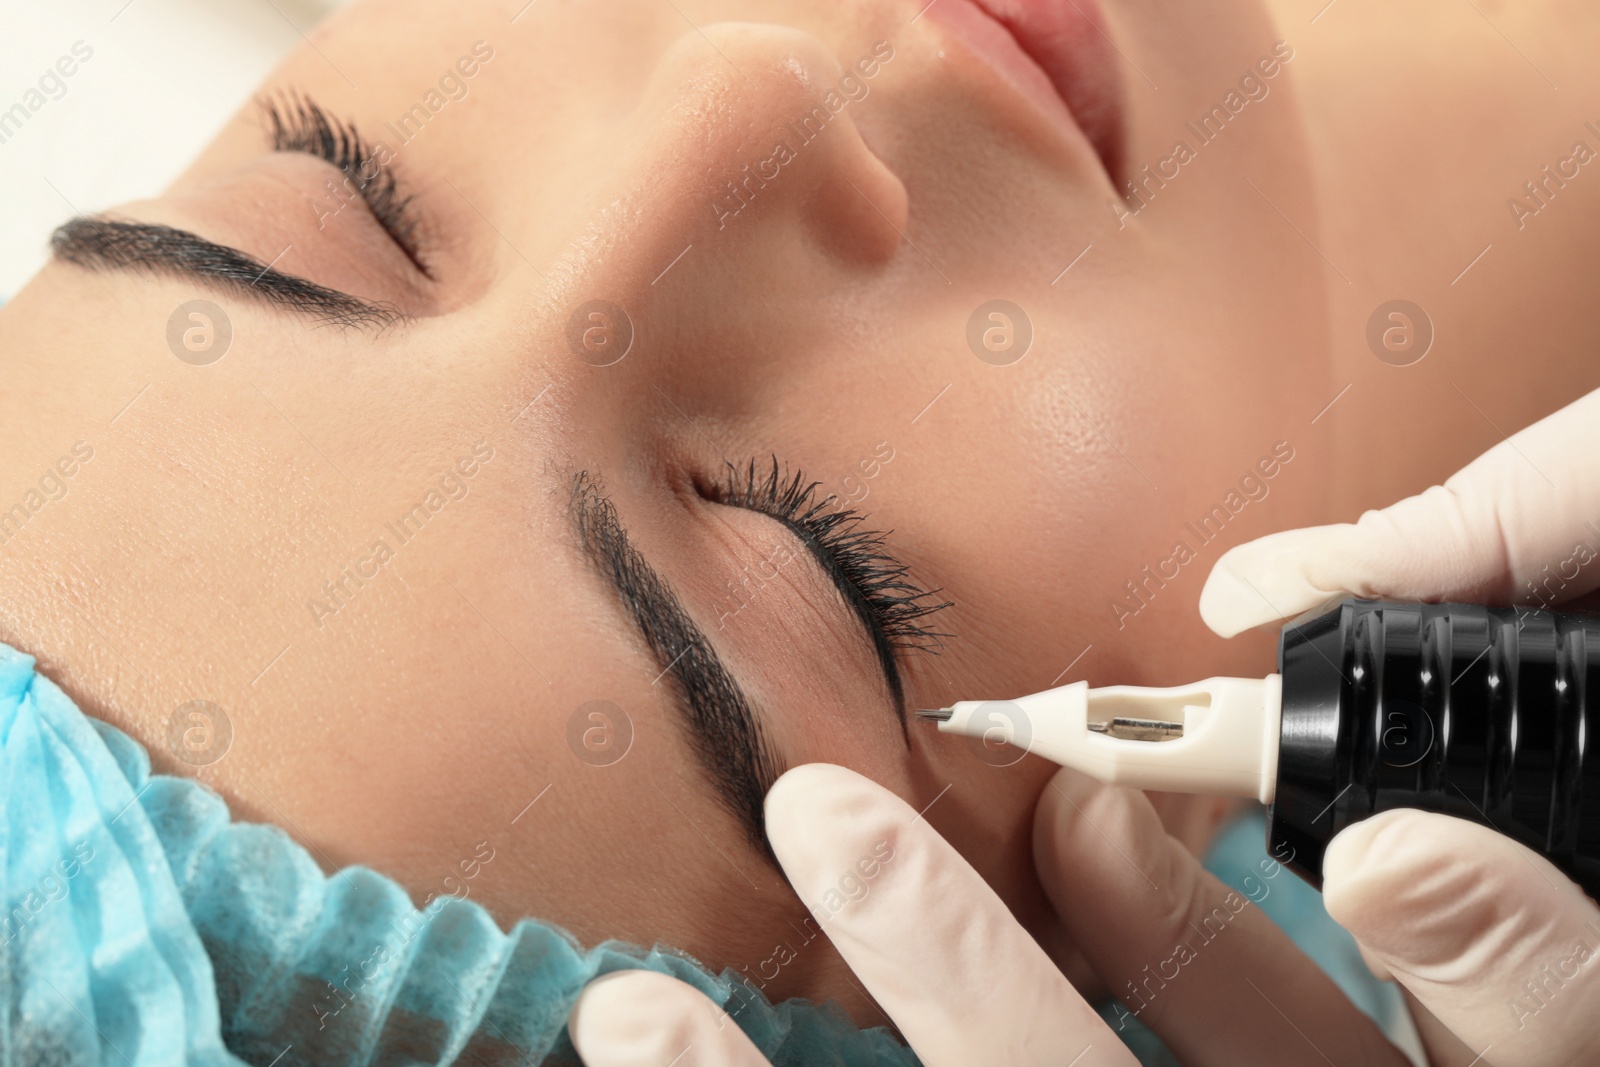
(1481, 713)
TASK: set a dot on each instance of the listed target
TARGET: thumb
(646, 1019)
(1499, 945)
(923, 932)
(1526, 509)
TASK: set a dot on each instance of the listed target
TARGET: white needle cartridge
(1215, 736)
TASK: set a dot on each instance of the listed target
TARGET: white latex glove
(1501, 948)
(966, 984)
(930, 941)
(1522, 506)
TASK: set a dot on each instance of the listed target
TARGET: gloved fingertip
(1229, 604)
(1416, 888)
(600, 998)
(1365, 858)
(817, 817)
(787, 798)
(1264, 580)
(1474, 925)
(606, 1019)
(646, 1018)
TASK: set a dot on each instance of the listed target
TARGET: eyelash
(297, 124)
(889, 601)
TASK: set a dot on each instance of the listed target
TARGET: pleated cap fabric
(145, 927)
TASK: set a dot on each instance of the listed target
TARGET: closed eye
(298, 124)
(891, 606)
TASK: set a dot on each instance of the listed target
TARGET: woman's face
(506, 575)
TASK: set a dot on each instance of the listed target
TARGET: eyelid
(862, 555)
(296, 123)
(877, 587)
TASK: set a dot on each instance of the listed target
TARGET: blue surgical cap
(145, 927)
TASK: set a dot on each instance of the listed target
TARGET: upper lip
(1065, 41)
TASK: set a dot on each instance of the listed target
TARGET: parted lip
(1056, 53)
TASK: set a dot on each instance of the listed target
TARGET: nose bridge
(742, 128)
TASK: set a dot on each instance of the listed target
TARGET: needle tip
(935, 714)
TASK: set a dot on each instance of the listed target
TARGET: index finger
(1521, 511)
(963, 981)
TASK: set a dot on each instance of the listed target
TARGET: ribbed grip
(1482, 713)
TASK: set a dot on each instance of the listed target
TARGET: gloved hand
(1494, 942)
(1517, 514)
(965, 983)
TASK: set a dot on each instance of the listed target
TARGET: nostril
(868, 214)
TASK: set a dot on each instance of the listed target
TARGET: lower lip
(1056, 53)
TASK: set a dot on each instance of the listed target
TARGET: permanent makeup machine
(1481, 713)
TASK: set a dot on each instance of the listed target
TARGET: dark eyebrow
(149, 249)
(725, 733)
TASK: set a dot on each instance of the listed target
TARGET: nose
(744, 141)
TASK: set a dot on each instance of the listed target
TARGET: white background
(164, 76)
